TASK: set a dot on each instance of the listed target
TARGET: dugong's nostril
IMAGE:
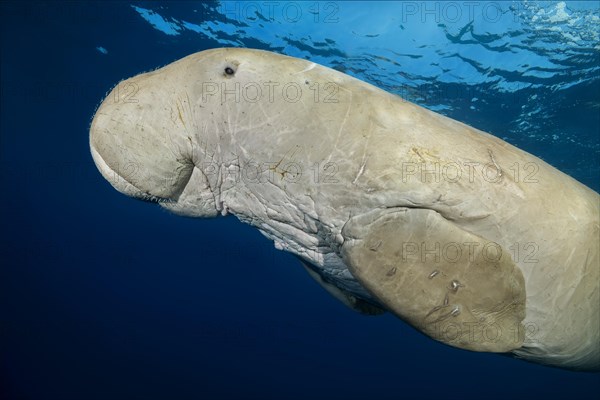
(230, 68)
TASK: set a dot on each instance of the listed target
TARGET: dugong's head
(153, 133)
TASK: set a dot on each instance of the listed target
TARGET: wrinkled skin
(391, 207)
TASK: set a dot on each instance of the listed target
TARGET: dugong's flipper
(473, 297)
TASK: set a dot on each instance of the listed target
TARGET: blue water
(104, 297)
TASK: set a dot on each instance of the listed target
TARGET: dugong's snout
(138, 146)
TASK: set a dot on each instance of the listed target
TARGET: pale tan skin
(334, 176)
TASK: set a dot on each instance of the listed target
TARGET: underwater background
(105, 297)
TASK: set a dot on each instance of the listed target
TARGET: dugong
(390, 206)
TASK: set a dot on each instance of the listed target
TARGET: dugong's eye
(229, 71)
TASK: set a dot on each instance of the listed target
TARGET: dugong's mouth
(187, 192)
(121, 183)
